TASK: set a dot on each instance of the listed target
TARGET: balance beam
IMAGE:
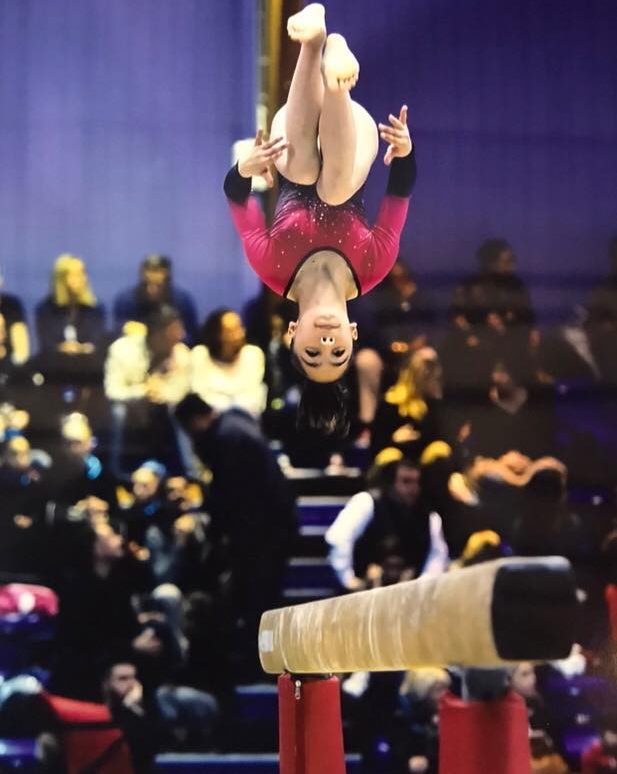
(486, 615)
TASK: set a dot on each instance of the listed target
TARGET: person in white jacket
(390, 519)
(147, 372)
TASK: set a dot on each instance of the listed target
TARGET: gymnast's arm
(392, 215)
(247, 215)
(342, 535)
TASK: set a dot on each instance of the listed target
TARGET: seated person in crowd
(226, 371)
(420, 694)
(495, 297)
(544, 758)
(394, 510)
(411, 414)
(95, 586)
(400, 317)
(7, 365)
(396, 319)
(173, 532)
(24, 487)
(146, 374)
(187, 714)
(70, 325)
(144, 504)
(70, 321)
(490, 313)
(77, 471)
(154, 290)
(512, 416)
(124, 696)
(17, 341)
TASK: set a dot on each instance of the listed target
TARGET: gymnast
(320, 250)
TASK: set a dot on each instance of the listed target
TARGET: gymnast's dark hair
(323, 407)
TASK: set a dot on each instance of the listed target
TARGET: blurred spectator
(154, 290)
(7, 366)
(70, 321)
(397, 318)
(524, 682)
(490, 314)
(24, 487)
(601, 756)
(394, 321)
(146, 374)
(226, 371)
(544, 758)
(144, 504)
(420, 694)
(97, 618)
(70, 324)
(77, 471)
(17, 343)
(166, 522)
(188, 715)
(394, 512)
(250, 502)
(546, 524)
(495, 297)
(124, 696)
(267, 317)
(513, 416)
(411, 414)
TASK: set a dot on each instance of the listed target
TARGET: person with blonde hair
(70, 320)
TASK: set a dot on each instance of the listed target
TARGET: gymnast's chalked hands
(397, 136)
(261, 158)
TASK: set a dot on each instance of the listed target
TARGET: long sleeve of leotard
(392, 216)
(247, 216)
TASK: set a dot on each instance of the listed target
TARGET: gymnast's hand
(397, 136)
(261, 158)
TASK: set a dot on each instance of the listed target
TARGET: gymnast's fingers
(259, 137)
(389, 155)
(276, 141)
(396, 122)
(275, 152)
(403, 115)
(390, 132)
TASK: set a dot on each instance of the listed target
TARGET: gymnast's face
(323, 340)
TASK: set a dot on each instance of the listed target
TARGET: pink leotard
(303, 224)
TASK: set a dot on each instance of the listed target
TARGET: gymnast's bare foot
(340, 67)
(309, 25)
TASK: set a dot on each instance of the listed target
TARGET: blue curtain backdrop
(116, 123)
(116, 119)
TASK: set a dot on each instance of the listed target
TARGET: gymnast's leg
(298, 120)
(347, 133)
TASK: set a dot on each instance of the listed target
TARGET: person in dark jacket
(154, 290)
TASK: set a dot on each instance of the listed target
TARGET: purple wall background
(116, 123)
(116, 120)
(514, 109)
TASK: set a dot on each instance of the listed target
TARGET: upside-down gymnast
(320, 250)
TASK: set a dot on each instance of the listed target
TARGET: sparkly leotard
(303, 224)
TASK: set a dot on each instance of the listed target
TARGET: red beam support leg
(484, 736)
(310, 726)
